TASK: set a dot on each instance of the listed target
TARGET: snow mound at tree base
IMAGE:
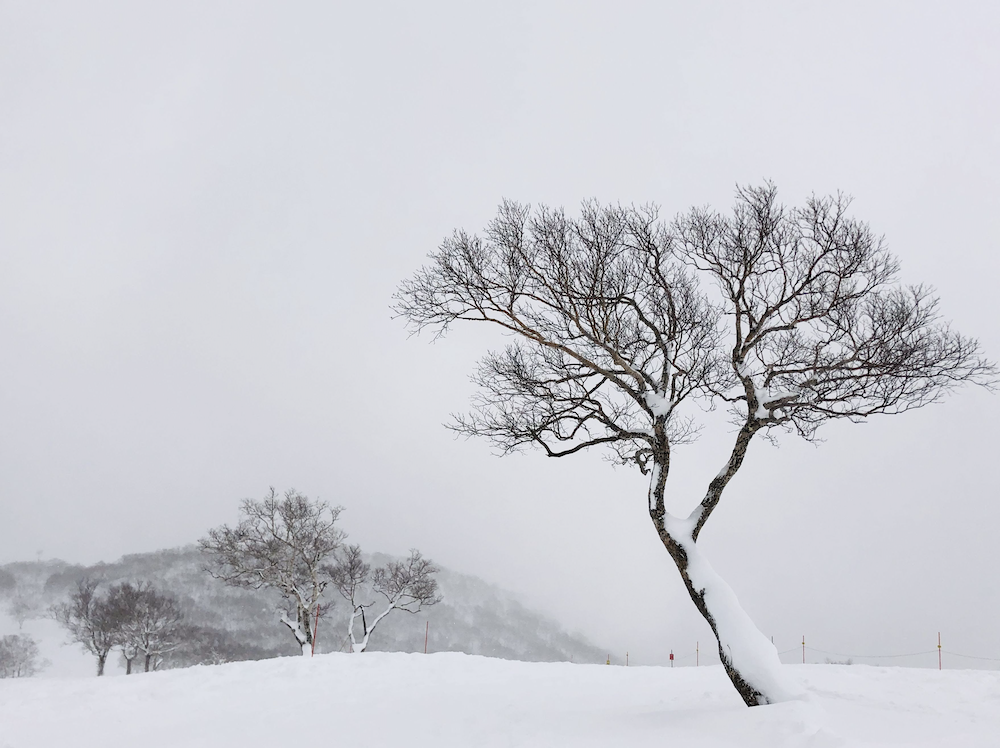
(450, 699)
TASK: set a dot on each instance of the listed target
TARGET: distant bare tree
(282, 544)
(19, 657)
(123, 609)
(406, 585)
(24, 606)
(89, 621)
(807, 323)
(158, 628)
(148, 622)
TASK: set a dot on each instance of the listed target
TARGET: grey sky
(205, 208)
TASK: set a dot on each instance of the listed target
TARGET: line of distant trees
(132, 617)
(288, 543)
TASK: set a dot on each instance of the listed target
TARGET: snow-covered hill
(474, 617)
(449, 699)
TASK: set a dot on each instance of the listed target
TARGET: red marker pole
(939, 650)
(315, 629)
(427, 631)
(803, 649)
(671, 658)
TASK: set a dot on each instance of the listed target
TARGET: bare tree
(89, 621)
(148, 622)
(19, 657)
(350, 575)
(158, 628)
(282, 544)
(405, 585)
(23, 606)
(614, 338)
(123, 608)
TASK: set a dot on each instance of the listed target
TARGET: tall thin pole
(939, 650)
(427, 631)
(626, 659)
(696, 654)
(803, 649)
(315, 630)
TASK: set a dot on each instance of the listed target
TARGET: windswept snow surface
(449, 699)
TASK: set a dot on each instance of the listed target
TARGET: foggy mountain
(229, 624)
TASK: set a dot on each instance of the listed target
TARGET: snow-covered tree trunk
(355, 645)
(301, 628)
(361, 646)
(305, 625)
(750, 659)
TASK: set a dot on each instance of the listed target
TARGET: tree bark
(749, 658)
(101, 658)
(306, 628)
(300, 629)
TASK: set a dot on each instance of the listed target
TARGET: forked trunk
(357, 646)
(300, 630)
(101, 659)
(750, 659)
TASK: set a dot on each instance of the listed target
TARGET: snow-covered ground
(450, 699)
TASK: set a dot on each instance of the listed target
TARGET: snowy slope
(451, 699)
(474, 617)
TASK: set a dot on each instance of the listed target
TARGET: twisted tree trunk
(750, 659)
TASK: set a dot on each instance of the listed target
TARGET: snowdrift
(450, 699)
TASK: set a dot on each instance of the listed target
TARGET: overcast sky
(206, 207)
